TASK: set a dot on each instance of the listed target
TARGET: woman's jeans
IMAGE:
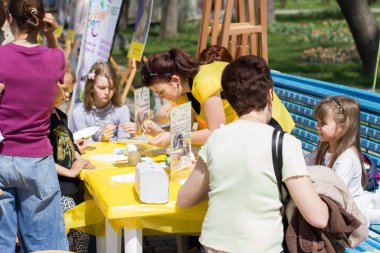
(31, 200)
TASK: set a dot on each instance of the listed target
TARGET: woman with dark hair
(235, 171)
(207, 56)
(102, 106)
(177, 77)
(6, 35)
(214, 53)
(30, 72)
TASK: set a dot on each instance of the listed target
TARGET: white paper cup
(118, 151)
(131, 147)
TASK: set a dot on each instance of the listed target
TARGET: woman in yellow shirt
(178, 77)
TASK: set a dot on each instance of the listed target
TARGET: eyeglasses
(147, 77)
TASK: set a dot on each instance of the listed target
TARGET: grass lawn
(284, 52)
(307, 4)
(313, 4)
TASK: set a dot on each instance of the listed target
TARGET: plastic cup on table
(134, 157)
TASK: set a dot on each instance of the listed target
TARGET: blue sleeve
(79, 121)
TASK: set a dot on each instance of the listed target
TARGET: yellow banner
(136, 50)
(70, 36)
(58, 32)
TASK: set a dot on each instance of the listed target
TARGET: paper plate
(123, 162)
(132, 141)
(85, 133)
(110, 158)
(142, 138)
(123, 178)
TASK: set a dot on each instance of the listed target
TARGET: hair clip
(336, 103)
(33, 11)
(91, 75)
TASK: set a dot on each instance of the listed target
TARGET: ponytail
(28, 15)
(33, 21)
(186, 65)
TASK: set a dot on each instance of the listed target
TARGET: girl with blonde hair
(102, 106)
(339, 141)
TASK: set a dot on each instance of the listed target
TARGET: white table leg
(113, 239)
(133, 240)
(100, 244)
(180, 239)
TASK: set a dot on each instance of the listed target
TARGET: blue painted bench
(300, 95)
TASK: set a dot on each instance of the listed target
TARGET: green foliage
(293, 43)
(330, 55)
(290, 28)
(335, 31)
(306, 4)
(314, 14)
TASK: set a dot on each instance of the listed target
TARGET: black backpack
(372, 173)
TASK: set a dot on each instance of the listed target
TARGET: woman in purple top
(28, 179)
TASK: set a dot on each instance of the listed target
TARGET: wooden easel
(72, 48)
(127, 76)
(248, 35)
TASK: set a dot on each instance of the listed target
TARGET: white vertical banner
(97, 41)
(142, 108)
(180, 141)
(144, 16)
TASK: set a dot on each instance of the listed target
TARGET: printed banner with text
(142, 108)
(96, 41)
(180, 141)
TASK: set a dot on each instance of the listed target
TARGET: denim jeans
(31, 200)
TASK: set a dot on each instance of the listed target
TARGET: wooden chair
(248, 35)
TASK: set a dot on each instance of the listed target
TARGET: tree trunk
(270, 11)
(123, 23)
(188, 10)
(364, 30)
(169, 19)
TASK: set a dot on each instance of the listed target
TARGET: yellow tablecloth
(119, 202)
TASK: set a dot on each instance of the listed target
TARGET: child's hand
(2, 87)
(49, 24)
(88, 165)
(108, 132)
(77, 167)
(152, 128)
(129, 128)
(82, 145)
(161, 140)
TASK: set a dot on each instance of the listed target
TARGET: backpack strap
(277, 165)
(194, 102)
(277, 159)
